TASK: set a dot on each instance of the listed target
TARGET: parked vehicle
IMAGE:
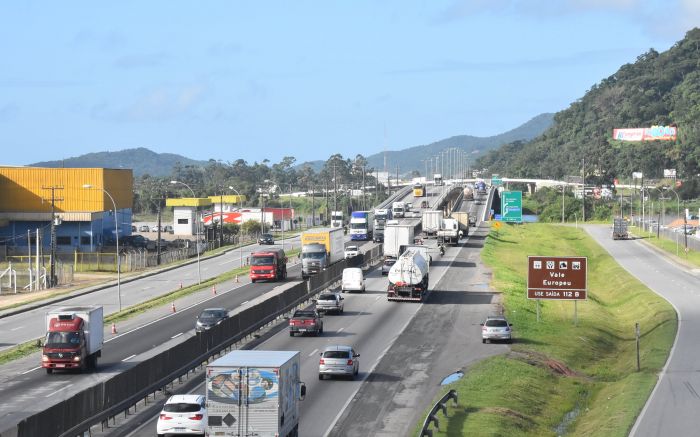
(183, 414)
(437, 179)
(496, 328)
(418, 190)
(398, 209)
(268, 264)
(330, 303)
(386, 265)
(209, 318)
(432, 221)
(408, 277)
(337, 219)
(133, 241)
(353, 280)
(266, 239)
(156, 228)
(144, 228)
(449, 232)
(169, 229)
(351, 251)
(321, 248)
(306, 321)
(133, 228)
(619, 231)
(338, 360)
(360, 226)
(74, 338)
(180, 243)
(396, 236)
(381, 216)
(251, 391)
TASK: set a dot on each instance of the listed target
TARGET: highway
(32, 390)
(406, 349)
(673, 405)
(26, 326)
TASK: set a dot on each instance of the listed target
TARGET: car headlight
(44, 358)
(76, 358)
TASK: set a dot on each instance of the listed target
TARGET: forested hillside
(657, 89)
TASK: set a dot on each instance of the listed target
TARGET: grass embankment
(32, 346)
(673, 248)
(560, 378)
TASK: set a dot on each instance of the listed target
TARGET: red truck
(74, 338)
(304, 322)
(268, 264)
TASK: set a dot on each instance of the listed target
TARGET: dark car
(306, 322)
(135, 241)
(386, 265)
(210, 317)
(472, 220)
(266, 239)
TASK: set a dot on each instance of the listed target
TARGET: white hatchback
(183, 414)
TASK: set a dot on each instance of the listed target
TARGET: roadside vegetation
(563, 378)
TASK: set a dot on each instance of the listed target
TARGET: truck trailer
(619, 229)
(254, 393)
(449, 232)
(74, 338)
(432, 221)
(320, 248)
(408, 277)
(397, 236)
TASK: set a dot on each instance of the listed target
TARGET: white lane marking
(176, 335)
(313, 352)
(59, 390)
(243, 303)
(378, 297)
(128, 358)
(19, 327)
(147, 288)
(341, 329)
(31, 370)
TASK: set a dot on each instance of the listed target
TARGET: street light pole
(197, 220)
(116, 234)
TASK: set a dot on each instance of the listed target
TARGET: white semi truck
(408, 277)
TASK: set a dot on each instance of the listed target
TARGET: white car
(183, 414)
(351, 251)
(338, 360)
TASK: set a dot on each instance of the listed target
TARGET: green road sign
(496, 181)
(512, 206)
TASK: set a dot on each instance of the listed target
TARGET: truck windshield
(358, 225)
(313, 255)
(262, 261)
(62, 339)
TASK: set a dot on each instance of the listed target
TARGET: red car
(306, 321)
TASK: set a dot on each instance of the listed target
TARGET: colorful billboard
(654, 133)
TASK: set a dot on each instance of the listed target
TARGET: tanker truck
(408, 277)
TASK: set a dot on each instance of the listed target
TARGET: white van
(353, 280)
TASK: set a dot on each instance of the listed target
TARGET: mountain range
(144, 161)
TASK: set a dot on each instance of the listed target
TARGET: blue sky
(259, 80)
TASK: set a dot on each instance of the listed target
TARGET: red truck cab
(269, 265)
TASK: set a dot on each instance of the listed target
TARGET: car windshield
(390, 263)
(327, 297)
(181, 408)
(62, 339)
(351, 249)
(499, 323)
(262, 261)
(266, 236)
(305, 314)
(336, 354)
(313, 255)
(210, 315)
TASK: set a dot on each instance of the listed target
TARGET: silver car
(339, 360)
(496, 328)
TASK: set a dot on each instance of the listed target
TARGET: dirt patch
(543, 361)
(507, 412)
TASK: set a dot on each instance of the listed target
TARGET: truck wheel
(320, 377)
(252, 281)
(49, 371)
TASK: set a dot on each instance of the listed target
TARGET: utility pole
(363, 189)
(325, 183)
(52, 279)
(313, 208)
(335, 189)
(221, 218)
(583, 197)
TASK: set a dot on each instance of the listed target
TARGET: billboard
(654, 133)
(669, 172)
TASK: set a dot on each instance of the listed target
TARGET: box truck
(74, 337)
(254, 393)
(397, 236)
(320, 248)
(432, 221)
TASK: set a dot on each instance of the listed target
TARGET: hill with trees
(658, 89)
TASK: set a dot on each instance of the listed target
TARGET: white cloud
(163, 103)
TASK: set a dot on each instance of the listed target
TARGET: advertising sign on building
(654, 133)
(557, 278)
(637, 175)
(669, 172)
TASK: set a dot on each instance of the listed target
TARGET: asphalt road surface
(672, 409)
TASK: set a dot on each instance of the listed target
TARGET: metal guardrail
(432, 416)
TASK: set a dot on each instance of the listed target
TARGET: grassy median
(562, 379)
